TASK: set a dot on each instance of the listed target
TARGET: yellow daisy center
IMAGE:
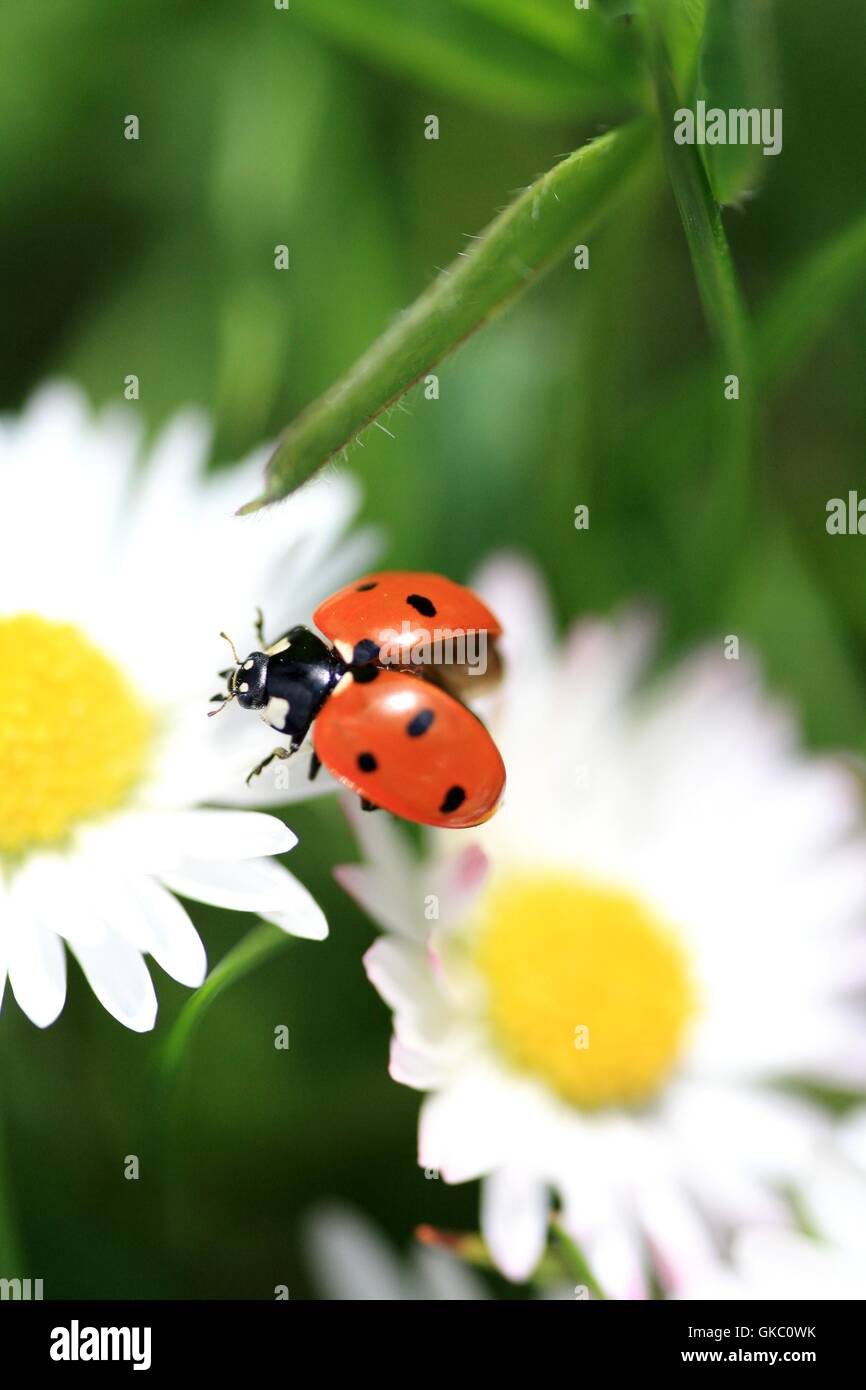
(73, 734)
(586, 988)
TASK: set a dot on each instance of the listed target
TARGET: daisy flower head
(117, 574)
(601, 988)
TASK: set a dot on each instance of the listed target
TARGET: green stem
(535, 231)
(254, 949)
(572, 1258)
(701, 217)
(728, 493)
(257, 946)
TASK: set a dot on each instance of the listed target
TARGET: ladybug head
(248, 680)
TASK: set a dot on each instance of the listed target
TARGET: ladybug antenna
(219, 709)
(229, 676)
(226, 638)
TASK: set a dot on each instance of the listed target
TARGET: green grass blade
(796, 315)
(730, 488)
(683, 25)
(736, 70)
(479, 57)
(701, 218)
(588, 39)
(255, 948)
(561, 208)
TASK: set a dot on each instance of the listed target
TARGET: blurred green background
(306, 127)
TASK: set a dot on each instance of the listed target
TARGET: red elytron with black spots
(385, 719)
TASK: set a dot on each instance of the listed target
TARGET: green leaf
(736, 71)
(586, 38)
(256, 947)
(562, 207)
(796, 315)
(700, 216)
(479, 57)
(684, 22)
(729, 496)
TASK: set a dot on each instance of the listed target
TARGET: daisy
(827, 1263)
(115, 581)
(352, 1261)
(601, 988)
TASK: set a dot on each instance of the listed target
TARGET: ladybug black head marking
(248, 681)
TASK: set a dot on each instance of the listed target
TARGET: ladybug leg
(259, 628)
(315, 765)
(367, 805)
(281, 752)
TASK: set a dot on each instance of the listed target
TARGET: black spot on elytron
(454, 798)
(365, 588)
(315, 766)
(365, 652)
(367, 762)
(420, 723)
(421, 605)
(365, 674)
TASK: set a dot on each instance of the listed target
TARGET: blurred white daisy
(115, 581)
(351, 1260)
(828, 1259)
(600, 989)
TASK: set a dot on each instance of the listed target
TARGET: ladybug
(385, 716)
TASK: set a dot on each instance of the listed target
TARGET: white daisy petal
(250, 885)
(45, 881)
(450, 1137)
(416, 1069)
(172, 939)
(459, 880)
(615, 1257)
(120, 980)
(149, 841)
(350, 1260)
(300, 915)
(445, 1277)
(37, 971)
(830, 1263)
(514, 1212)
(400, 972)
(375, 894)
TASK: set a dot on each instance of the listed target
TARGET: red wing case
(412, 605)
(408, 746)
